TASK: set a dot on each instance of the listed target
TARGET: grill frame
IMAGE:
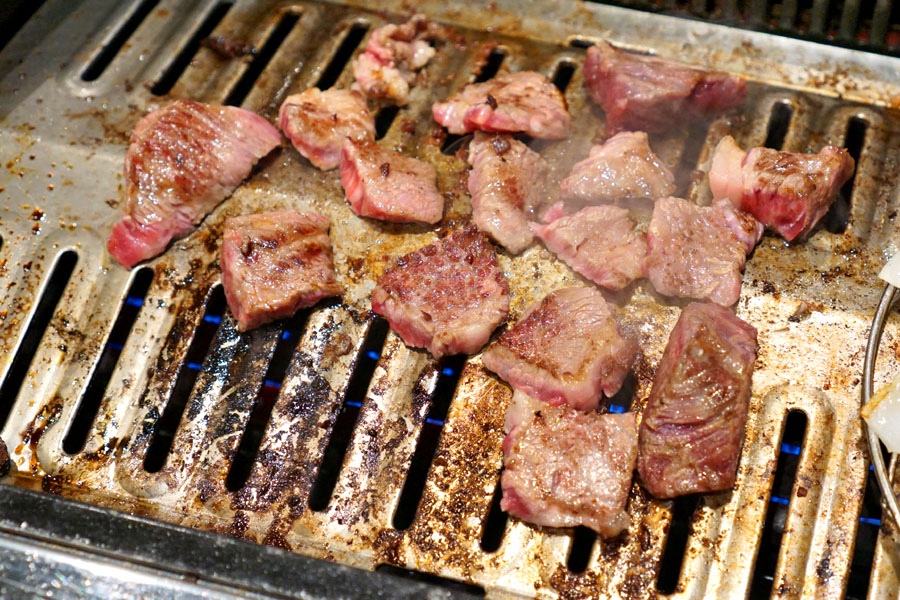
(730, 51)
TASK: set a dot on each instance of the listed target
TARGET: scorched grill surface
(325, 435)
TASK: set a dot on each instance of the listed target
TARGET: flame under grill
(324, 434)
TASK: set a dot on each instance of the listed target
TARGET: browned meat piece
(387, 185)
(599, 242)
(566, 349)
(274, 264)
(693, 425)
(317, 123)
(646, 93)
(393, 56)
(786, 191)
(183, 160)
(696, 252)
(565, 468)
(4, 459)
(511, 102)
(447, 297)
(623, 167)
(506, 183)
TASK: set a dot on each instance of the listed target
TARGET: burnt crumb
(767, 287)
(801, 492)
(206, 489)
(240, 523)
(501, 145)
(227, 47)
(802, 312)
(892, 215)
(385, 169)
(491, 101)
(37, 214)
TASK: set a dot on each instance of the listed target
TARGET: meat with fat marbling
(394, 54)
(387, 185)
(600, 242)
(623, 167)
(274, 264)
(692, 428)
(563, 467)
(183, 160)
(699, 252)
(525, 102)
(566, 349)
(646, 93)
(506, 183)
(787, 191)
(447, 297)
(318, 122)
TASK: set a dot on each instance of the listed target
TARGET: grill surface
(243, 434)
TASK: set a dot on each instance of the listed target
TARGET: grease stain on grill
(115, 44)
(342, 55)
(165, 428)
(184, 57)
(345, 425)
(244, 85)
(109, 357)
(34, 332)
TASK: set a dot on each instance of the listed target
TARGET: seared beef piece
(387, 69)
(622, 167)
(183, 160)
(786, 191)
(274, 264)
(645, 93)
(317, 123)
(693, 425)
(447, 297)
(511, 102)
(565, 468)
(696, 252)
(387, 185)
(4, 459)
(598, 241)
(566, 349)
(506, 183)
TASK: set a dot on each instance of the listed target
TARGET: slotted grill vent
(327, 436)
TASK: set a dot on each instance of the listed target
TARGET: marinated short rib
(506, 183)
(182, 161)
(600, 242)
(4, 459)
(646, 93)
(318, 122)
(695, 252)
(566, 349)
(395, 53)
(274, 264)
(623, 167)
(565, 468)
(693, 425)
(387, 185)
(786, 191)
(508, 103)
(447, 297)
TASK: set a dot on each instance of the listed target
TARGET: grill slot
(265, 402)
(494, 524)
(583, 540)
(201, 345)
(779, 123)
(90, 402)
(37, 326)
(165, 83)
(491, 65)
(451, 369)
(258, 64)
(342, 55)
(866, 539)
(384, 119)
(112, 47)
(14, 14)
(562, 75)
(345, 425)
(676, 544)
(839, 214)
(791, 447)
